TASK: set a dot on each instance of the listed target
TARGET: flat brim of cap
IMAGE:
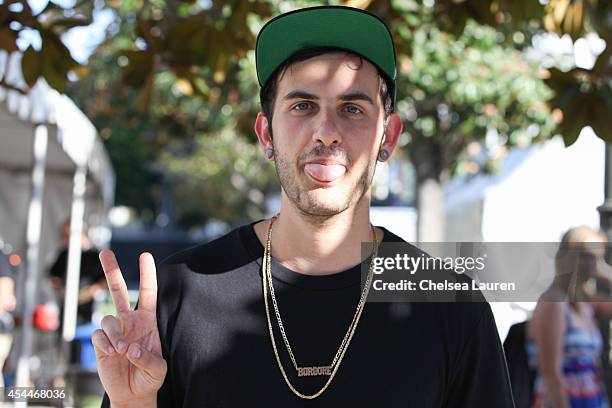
(345, 28)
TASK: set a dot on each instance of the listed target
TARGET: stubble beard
(311, 209)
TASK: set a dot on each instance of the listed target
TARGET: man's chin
(324, 202)
(322, 211)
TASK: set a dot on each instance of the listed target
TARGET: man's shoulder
(226, 252)
(177, 273)
(466, 315)
(390, 236)
(393, 242)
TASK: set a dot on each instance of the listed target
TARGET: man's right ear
(262, 129)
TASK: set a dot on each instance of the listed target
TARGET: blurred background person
(91, 278)
(7, 306)
(564, 343)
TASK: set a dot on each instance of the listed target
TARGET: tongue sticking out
(323, 172)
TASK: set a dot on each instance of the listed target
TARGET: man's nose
(326, 131)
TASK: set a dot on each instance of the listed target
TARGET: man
(273, 313)
(91, 278)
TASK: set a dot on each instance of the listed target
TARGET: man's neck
(320, 246)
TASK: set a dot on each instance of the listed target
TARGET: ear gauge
(269, 152)
(383, 155)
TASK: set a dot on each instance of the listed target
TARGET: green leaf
(54, 78)
(604, 60)
(4, 13)
(139, 67)
(8, 40)
(55, 60)
(30, 66)
(523, 10)
(186, 41)
(600, 120)
(576, 117)
(68, 23)
(58, 52)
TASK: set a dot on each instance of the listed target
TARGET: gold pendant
(310, 371)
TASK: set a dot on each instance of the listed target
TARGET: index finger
(116, 284)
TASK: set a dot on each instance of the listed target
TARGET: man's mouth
(325, 172)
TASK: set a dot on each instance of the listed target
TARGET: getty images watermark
(410, 265)
(474, 271)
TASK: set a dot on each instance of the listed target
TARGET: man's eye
(302, 106)
(353, 109)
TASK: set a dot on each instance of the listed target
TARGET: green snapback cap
(347, 28)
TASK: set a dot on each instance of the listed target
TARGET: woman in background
(563, 340)
(7, 306)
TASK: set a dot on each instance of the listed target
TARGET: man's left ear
(264, 135)
(393, 129)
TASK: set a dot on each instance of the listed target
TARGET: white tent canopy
(73, 141)
(52, 166)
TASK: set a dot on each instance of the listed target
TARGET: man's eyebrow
(356, 96)
(353, 96)
(299, 95)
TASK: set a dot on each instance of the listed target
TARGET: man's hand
(128, 349)
(88, 293)
(57, 285)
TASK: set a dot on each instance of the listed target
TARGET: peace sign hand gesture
(128, 348)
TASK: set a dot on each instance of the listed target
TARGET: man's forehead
(335, 73)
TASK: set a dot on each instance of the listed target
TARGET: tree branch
(10, 87)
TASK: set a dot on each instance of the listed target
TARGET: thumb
(152, 364)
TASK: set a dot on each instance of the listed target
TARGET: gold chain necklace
(309, 371)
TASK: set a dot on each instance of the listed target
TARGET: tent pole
(74, 254)
(34, 227)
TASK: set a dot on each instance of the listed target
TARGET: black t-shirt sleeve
(480, 376)
(91, 268)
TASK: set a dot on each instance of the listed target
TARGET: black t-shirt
(214, 336)
(91, 269)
